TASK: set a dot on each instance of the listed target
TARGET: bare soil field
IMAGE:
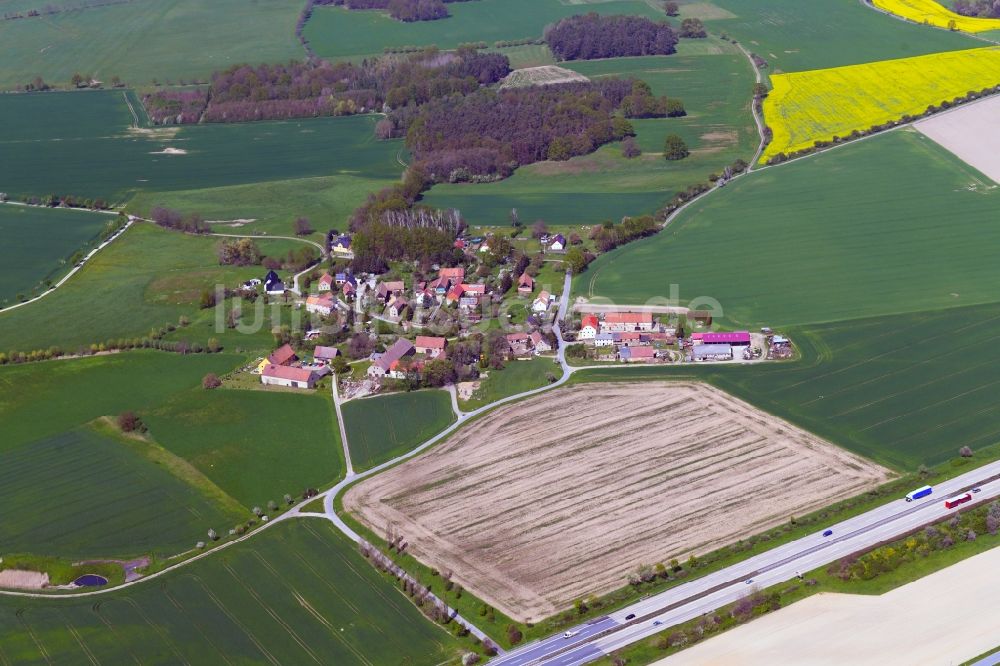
(909, 625)
(546, 75)
(971, 132)
(23, 580)
(563, 495)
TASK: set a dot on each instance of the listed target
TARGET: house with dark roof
(557, 243)
(341, 247)
(273, 284)
(323, 355)
(382, 363)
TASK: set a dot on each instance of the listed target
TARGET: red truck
(957, 501)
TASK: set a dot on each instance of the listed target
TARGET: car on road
(571, 633)
(976, 490)
(748, 581)
(630, 616)
(827, 533)
(657, 623)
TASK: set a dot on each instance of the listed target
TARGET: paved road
(710, 592)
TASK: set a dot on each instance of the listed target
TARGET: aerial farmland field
(144, 41)
(604, 185)
(383, 427)
(527, 505)
(934, 13)
(299, 593)
(967, 132)
(871, 241)
(99, 498)
(338, 33)
(37, 244)
(806, 107)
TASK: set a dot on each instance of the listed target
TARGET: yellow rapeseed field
(933, 13)
(805, 107)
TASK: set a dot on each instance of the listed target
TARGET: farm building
(283, 355)
(520, 343)
(637, 354)
(325, 283)
(539, 343)
(281, 375)
(430, 346)
(325, 354)
(386, 290)
(589, 328)
(715, 352)
(525, 284)
(621, 322)
(736, 339)
(324, 305)
(382, 363)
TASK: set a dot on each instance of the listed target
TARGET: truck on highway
(957, 501)
(923, 491)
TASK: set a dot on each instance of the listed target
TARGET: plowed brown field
(562, 495)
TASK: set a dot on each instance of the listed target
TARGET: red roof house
(283, 355)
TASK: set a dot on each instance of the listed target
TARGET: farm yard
(869, 242)
(299, 593)
(718, 128)
(967, 132)
(242, 441)
(532, 460)
(37, 243)
(145, 41)
(807, 107)
(383, 427)
(82, 494)
(933, 13)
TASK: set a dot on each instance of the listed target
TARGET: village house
(386, 290)
(520, 343)
(712, 352)
(454, 294)
(637, 354)
(281, 375)
(589, 328)
(324, 355)
(621, 322)
(325, 283)
(630, 339)
(430, 346)
(543, 302)
(382, 363)
(397, 307)
(341, 247)
(525, 284)
(283, 355)
(604, 340)
(323, 305)
(273, 284)
(557, 243)
(456, 274)
(349, 288)
(539, 343)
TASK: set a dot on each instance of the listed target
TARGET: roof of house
(558, 238)
(343, 241)
(271, 277)
(282, 355)
(457, 273)
(605, 336)
(289, 373)
(349, 286)
(544, 296)
(474, 288)
(325, 352)
(537, 338)
(712, 350)
(455, 292)
(517, 337)
(638, 352)
(525, 280)
(734, 337)
(430, 342)
(628, 318)
(325, 299)
(327, 278)
(627, 336)
(590, 320)
(396, 351)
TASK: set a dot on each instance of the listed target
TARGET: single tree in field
(674, 148)
(630, 149)
(672, 9)
(129, 422)
(515, 221)
(272, 505)
(211, 381)
(213, 535)
(76, 80)
(693, 28)
(302, 226)
(965, 452)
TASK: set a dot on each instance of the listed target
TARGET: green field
(83, 143)
(39, 400)
(146, 40)
(794, 36)
(297, 594)
(36, 244)
(516, 377)
(383, 427)
(715, 84)
(891, 224)
(255, 445)
(337, 33)
(81, 494)
(146, 278)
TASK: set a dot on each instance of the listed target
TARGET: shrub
(130, 422)
(211, 381)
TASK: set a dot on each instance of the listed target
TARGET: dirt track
(563, 495)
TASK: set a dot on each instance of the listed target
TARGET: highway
(590, 641)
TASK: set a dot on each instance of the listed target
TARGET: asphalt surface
(708, 593)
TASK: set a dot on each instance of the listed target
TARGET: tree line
(978, 8)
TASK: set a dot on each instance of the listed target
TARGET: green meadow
(714, 82)
(145, 41)
(147, 278)
(298, 593)
(516, 377)
(898, 225)
(383, 427)
(82, 494)
(84, 144)
(338, 33)
(793, 36)
(37, 244)
(255, 445)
